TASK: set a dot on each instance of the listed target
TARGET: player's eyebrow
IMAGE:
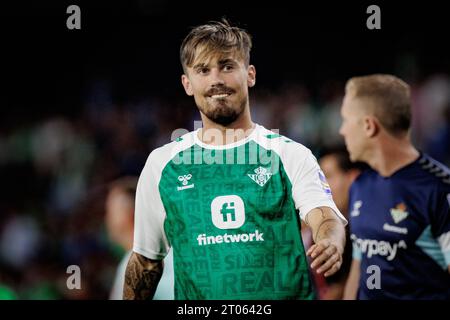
(221, 62)
(226, 61)
(199, 66)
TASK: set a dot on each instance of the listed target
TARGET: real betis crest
(399, 213)
(261, 176)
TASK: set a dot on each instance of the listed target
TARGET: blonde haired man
(399, 210)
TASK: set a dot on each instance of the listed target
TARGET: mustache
(219, 90)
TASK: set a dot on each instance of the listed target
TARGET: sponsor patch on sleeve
(323, 181)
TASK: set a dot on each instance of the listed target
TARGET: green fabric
(269, 260)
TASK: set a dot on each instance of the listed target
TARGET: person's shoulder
(434, 171)
(280, 143)
(163, 154)
(366, 176)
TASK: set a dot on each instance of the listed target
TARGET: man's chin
(356, 158)
(223, 115)
(223, 120)
(352, 156)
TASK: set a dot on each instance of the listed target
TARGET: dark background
(135, 45)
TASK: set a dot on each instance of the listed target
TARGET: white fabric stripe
(444, 241)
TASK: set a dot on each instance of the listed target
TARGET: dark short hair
(340, 153)
(126, 184)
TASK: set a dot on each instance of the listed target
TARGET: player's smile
(220, 96)
(219, 93)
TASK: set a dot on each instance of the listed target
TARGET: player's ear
(187, 85)
(371, 126)
(251, 75)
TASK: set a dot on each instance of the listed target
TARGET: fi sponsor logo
(227, 213)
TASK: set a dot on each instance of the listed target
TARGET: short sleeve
(150, 239)
(310, 188)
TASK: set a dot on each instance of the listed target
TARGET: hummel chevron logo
(184, 179)
(261, 176)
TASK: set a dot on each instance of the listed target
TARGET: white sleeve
(310, 188)
(149, 236)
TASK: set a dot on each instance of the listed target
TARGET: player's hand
(327, 257)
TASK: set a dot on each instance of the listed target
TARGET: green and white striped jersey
(231, 215)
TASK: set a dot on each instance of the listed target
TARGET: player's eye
(202, 70)
(228, 67)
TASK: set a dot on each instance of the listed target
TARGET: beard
(222, 111)
(223, 114)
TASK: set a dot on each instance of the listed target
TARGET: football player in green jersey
(228, 198)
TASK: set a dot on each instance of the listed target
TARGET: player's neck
(215, 134)
(392, 155)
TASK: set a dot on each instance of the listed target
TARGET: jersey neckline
(405, 168)
(241, 142)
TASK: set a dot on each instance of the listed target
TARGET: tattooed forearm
(141, 277)
(325, 229)
(314, 212)
(325, 225)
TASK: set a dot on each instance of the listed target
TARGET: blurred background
(82, 108)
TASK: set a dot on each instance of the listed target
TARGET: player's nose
(216, 77)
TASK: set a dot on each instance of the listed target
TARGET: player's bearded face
(222, 104)
(220, 88)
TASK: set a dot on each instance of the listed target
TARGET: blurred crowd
(56, 169)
